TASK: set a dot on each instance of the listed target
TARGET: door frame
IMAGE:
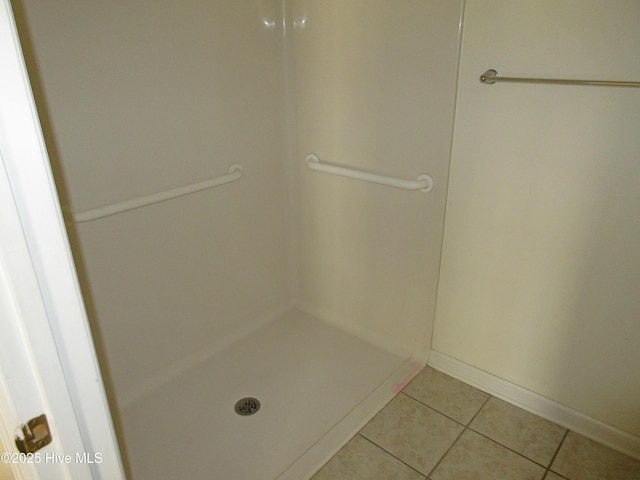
(41, 281)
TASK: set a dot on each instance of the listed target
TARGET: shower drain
(247, 406)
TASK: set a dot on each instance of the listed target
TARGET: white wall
(139, 97)
(375, 88)
(541, 264)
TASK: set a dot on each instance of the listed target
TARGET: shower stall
(254, 191)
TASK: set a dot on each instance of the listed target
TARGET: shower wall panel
(375, 86)
(144, 97)
(141, 97)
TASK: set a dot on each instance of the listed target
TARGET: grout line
(555, 473)
(438, 411)
(509, 448)
(445, 453)
(458, 437)
(464, 428)
(468, 427)
(546, 467)
(433, 409)
(479, 410)
(556, 454)
(391, 454)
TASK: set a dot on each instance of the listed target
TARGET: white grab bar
(424, 183)
(235, 172)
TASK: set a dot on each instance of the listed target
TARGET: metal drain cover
(247, 406)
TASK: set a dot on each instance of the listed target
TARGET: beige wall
(375, 88)
(145, 96)
(541, 264)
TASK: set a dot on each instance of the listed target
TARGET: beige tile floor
(439, 428)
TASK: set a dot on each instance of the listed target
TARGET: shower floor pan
(316, 386)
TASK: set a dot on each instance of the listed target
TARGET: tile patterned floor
(439, 428)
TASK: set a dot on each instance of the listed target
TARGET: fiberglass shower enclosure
(218, 259)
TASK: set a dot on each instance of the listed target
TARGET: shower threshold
(316, 384)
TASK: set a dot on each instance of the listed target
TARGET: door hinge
(36, 435)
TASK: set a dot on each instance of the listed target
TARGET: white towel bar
(424, 183)
(235, 172)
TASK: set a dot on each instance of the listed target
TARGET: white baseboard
(532, 402)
